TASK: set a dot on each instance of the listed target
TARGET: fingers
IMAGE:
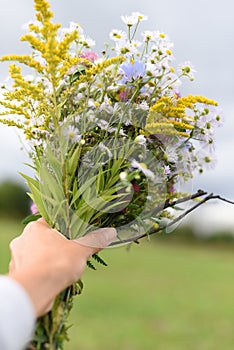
(43, 222)
(98, 239)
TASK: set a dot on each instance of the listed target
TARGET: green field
(163, 295)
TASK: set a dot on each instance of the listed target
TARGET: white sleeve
(17, 315)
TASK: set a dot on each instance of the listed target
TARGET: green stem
(135, 30)
(51, 329)
(63, 162)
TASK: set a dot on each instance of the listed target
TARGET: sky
(202, 32)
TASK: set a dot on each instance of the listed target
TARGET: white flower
(148, 35)
(161, 36)
(136, 43)
(140, 139)
(172, 153)
(123, 175)
(140, 17)
(153, 68)
(143, 168)
(72, 134)
(211, 117)
(106, 107)
(117, 35)
(134, 18)
(206, 161)
(86, 41)
(130, 20)
(123, 47)
(187, 69)
(127, 48)
(143, 106)
(91, 102)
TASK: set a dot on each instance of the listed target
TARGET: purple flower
(167, 170)
(131, 70)
(33, 208)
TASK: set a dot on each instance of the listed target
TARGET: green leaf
(97, 258)
(90, 265)
(31, 218)
(73, 160)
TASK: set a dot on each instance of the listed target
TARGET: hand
(44, 262)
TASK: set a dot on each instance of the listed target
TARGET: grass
(163, 295)
(8, 230)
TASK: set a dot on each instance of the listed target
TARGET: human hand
(44, 262)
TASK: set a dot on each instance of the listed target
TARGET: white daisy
(130, 20)
(117, 35)
(143, 168)
(140, 17)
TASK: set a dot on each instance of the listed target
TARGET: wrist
(38, 285)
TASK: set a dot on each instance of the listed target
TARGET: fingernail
(100, 238)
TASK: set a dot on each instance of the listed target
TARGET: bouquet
(110, 137)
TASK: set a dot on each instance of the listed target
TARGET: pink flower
(123, 96)
(89, 55)
(33, 208)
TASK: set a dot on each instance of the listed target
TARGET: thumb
(98, 239)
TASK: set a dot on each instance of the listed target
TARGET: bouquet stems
(51, 329)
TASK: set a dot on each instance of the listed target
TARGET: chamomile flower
(72, 134)
(148, 35)
(140, 139)
(117, 35)
(143, 168)
(86, 41)
(130, 20)
(140, 17)
(123, 47)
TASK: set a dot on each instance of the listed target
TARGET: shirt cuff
(17, 315)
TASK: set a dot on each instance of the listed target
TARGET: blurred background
(177, 291)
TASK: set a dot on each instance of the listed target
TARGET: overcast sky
(202, 32)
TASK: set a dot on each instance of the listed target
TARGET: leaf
(97, 258)
(82, 190)
(31, 218)
(90, 265)
(48, 184)
(73, 159)
(36, 196)
(79, 286)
